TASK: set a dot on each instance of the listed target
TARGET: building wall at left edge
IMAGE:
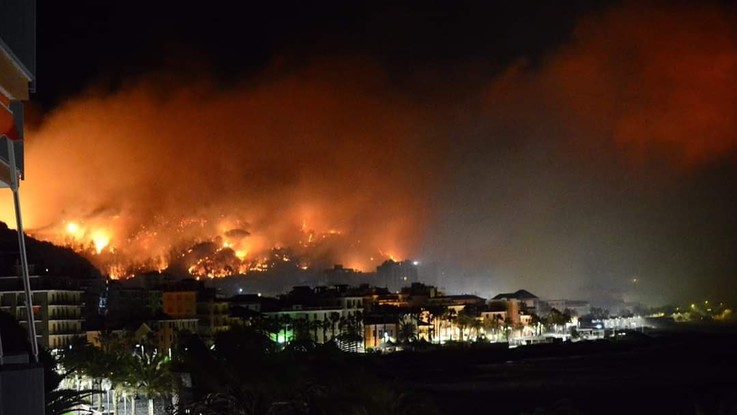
(21, 381)
(17, 72)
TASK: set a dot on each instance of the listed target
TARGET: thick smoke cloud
(611, 159)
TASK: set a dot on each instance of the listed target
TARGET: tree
(301, 329)
(315, 325)
(266, 325)
(464, 319)
(150, 375)
(343, 324)
(90, 363)
(65, 401)
(407, 332)
(59, 401)
(476, 326)
(435, 312)
(242, 343)
(285, 321)
(507, 328)
(556, 318)
(536, 322)
(301, 340)
(334, 319)
(450, 316)
(326, 324)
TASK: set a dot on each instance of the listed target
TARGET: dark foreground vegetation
(245, 373)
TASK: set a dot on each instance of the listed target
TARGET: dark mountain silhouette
(44, 258)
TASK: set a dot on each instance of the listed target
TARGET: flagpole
(23, 257)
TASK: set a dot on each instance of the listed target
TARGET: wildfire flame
(100, 240)
(222, 250)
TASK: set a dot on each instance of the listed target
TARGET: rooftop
(517, 295)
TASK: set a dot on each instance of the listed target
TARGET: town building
(126, 303)
(178, 304)
(213, 314)
(324, 312)
(57, 308)
(577, 308)
(166, 330)
(380, 330)
(394, 275)
(339, 275)
(526, 300)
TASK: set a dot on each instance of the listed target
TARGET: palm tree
(150, 375)
(451, 316)
(113, 361)
(301, 329)
(507, 328)
(91, 363)
(315, 325)
(326, 324)
(121, 365)
(350, 336)
(407, 332)
(358, 316)
(334, 319)
(60, 400)
(464, 319)
(358, 325)
(536, 322)
(435, 312)
(64, 401)
(476, 325)
(285, 322)
(343, 324)
(556, 319)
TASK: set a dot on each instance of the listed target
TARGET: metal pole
(2, 358)
(23, 258)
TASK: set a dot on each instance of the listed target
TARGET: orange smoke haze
(660, 82)
(303, 159)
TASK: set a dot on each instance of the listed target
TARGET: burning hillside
(201, 249)
(305, 169)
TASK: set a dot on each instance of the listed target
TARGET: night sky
(562, 147)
